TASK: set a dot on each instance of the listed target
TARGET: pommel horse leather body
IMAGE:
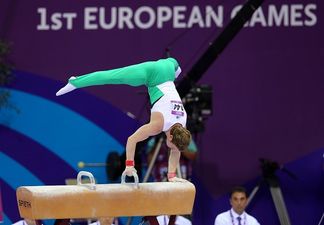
(106, 200)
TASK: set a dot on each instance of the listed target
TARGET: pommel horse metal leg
(153, 220)
(104, 201)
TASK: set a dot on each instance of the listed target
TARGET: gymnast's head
(178, 137)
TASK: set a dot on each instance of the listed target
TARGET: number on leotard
(177, 108)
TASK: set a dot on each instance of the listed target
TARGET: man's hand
(129, 170)
(177, 179)
(172, 177)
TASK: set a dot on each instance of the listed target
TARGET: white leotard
(170, 105)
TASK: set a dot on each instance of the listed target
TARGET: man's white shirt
(225, 218)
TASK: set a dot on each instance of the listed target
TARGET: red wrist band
(130, 163)
(171, 175)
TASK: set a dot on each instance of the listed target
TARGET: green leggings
(150, 74)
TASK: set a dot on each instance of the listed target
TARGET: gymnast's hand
(177, 179)
(129, 170)
(172, 177)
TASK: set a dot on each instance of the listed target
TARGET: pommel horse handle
(92, 184)
(123, 177)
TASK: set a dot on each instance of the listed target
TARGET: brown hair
(239, 189)
(181, 137)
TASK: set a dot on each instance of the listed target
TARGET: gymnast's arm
(154, 127)
(174, 159)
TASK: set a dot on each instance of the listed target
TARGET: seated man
(236, 215)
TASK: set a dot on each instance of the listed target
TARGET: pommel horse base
(104, 201)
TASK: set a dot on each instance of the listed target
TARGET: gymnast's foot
(67, 88)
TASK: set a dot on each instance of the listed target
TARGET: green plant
(6, 76)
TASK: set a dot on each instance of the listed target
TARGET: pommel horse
(104, 201)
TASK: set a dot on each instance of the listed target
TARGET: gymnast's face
(238, 202)
(169, 141)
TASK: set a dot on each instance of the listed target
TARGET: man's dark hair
(238, 189)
